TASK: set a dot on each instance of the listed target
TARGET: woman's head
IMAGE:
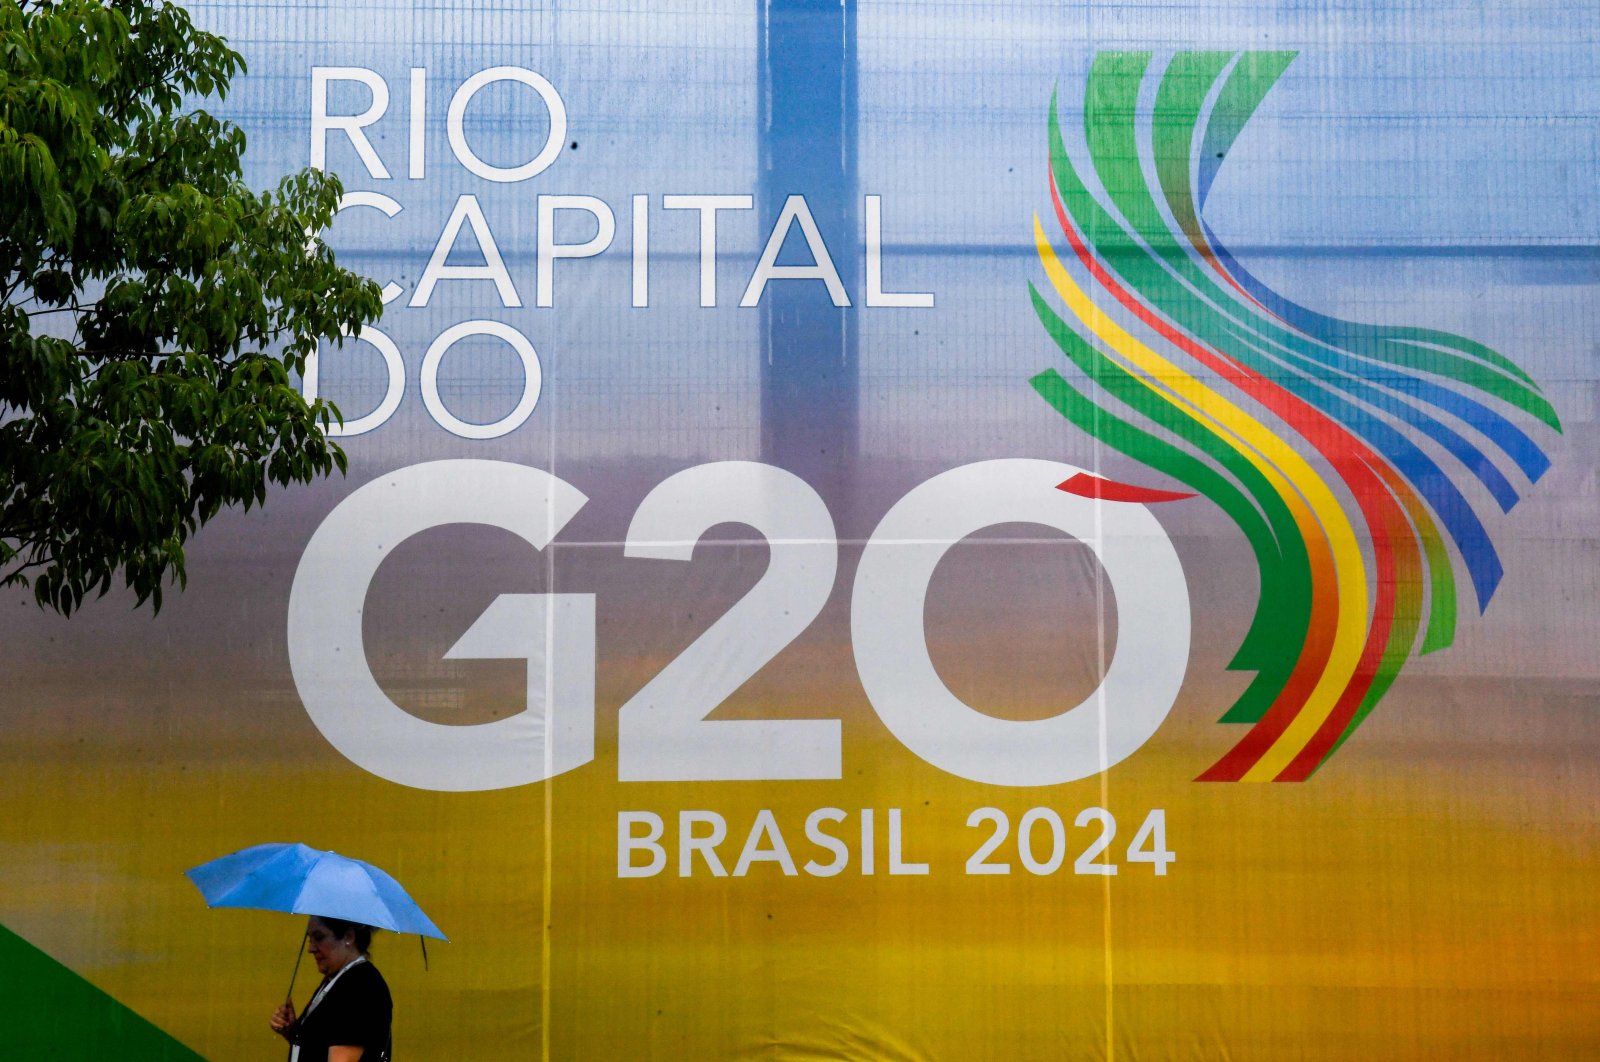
(334, 942)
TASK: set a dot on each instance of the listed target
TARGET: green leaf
(130, 216)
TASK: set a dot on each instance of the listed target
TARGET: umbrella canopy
(301, 880)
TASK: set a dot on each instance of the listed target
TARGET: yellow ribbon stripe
(1330, 538)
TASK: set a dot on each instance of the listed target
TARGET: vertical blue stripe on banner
(807, 133)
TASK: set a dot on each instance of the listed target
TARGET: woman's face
(330, 952)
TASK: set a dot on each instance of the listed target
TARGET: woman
(348, 1018)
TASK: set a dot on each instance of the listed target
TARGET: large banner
(884, 531)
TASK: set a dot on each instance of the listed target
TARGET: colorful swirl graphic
(1340, 449)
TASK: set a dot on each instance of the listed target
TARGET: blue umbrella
(301, 880)
(298, 879)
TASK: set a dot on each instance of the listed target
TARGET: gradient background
(1430, 893)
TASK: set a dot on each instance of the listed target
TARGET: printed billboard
(844, 502)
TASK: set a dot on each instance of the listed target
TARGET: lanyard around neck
(329, 983)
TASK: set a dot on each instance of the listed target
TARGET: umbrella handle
(298, 955)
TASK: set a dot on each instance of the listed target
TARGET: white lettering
(627, 844)
(814, 834)
(641, 250)
(553, 633)
(550, 250)
(868, 844)
(351, 124)
(419, 123)
(897, 863)
(765, 826)
(466, 211)
(456, 117)
(389, 207)
(876, 296)
(532, 379)
(394, 367)
(708, 205)
(795, 210)
(689, 843)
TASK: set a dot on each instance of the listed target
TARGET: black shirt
(355, 1012)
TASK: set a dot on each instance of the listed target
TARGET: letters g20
(663, 732)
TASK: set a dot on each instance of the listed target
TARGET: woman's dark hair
(339, 927)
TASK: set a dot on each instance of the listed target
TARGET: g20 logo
(663, 732)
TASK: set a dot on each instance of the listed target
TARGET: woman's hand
(282, 1020)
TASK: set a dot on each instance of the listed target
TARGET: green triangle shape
(48, 1011)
